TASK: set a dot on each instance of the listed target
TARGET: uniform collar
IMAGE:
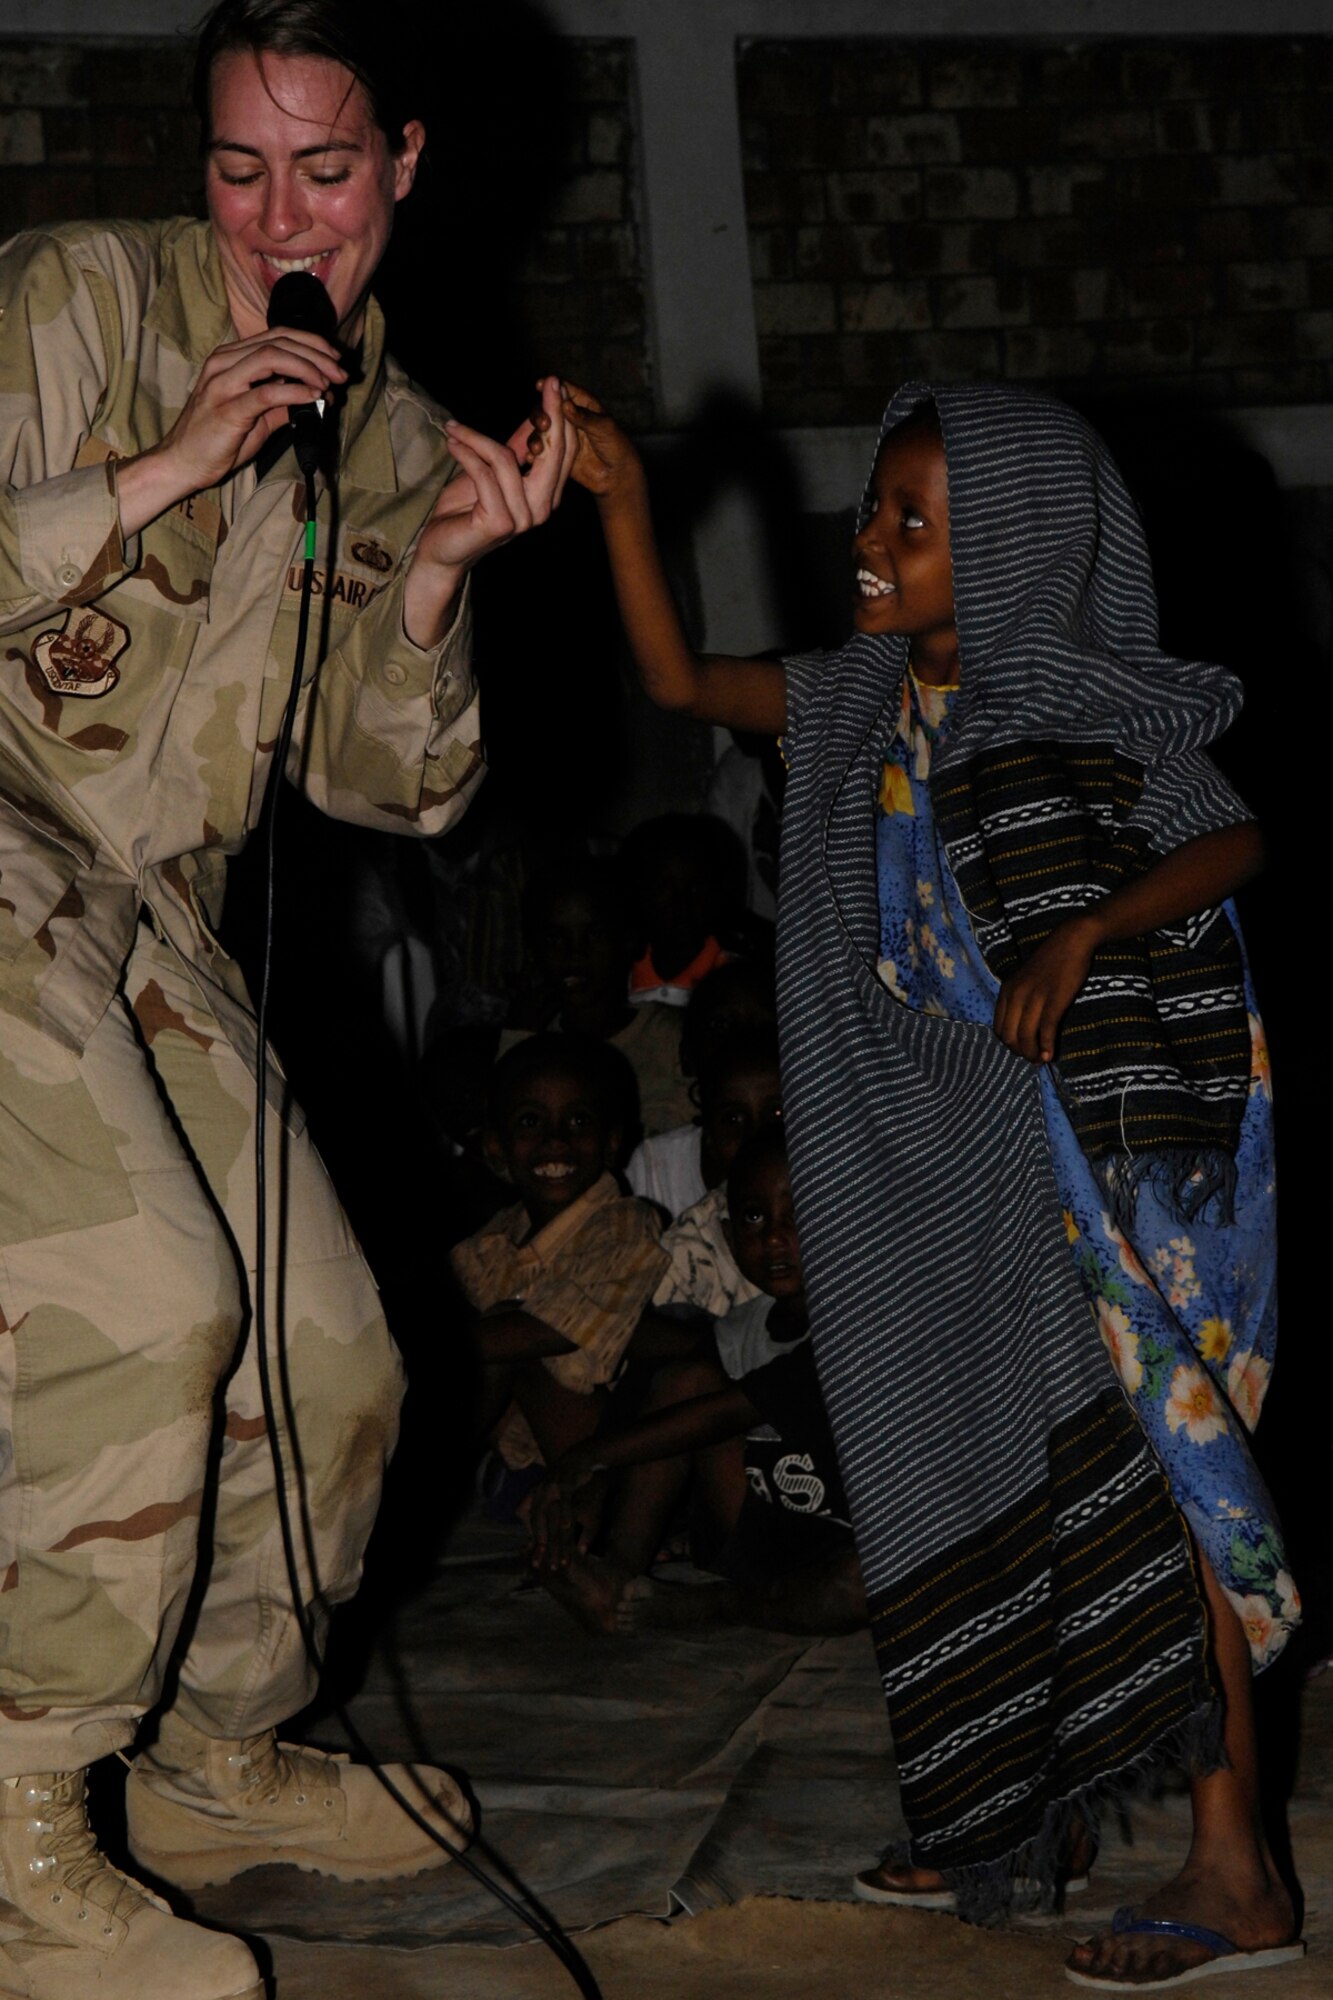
(189, 309)
(367, 450)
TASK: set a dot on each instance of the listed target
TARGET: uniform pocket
(59, 1165)
(39, 861)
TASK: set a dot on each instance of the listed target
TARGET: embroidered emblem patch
(372, 555)
(82, 660)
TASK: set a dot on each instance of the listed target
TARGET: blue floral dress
(1187, 1312)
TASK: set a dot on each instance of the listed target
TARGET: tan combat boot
(202, 1810)
(72, 1927)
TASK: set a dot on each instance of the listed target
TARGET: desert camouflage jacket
(142, 679)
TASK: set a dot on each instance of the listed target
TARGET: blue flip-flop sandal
(1227, 1957)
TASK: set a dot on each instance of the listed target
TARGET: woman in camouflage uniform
(149, 579)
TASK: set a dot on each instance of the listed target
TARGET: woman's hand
(1034, 1000)
(566, 1508)
(498, 492)
(240, 397)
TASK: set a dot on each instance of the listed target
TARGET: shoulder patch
(82, 660)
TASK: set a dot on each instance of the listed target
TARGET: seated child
(559, 1280)
(703, 1275)
(740, 1094)
(738, 995)
(579, 948)
(761, 1446)
(702, 1278)
(745, 791)
(685, 873)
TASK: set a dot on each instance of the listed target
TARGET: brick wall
(1118, 216)
(581, 283)
(104, 131)
(547, 267)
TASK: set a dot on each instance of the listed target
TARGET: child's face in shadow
(904, 572)
(579, 949)
(554, 1141)
(708, 1025)
(678, 907)
(744, 1103)
(762, 1231)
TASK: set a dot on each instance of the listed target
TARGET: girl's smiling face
(579, 949)
(904, 572)
(300, 177)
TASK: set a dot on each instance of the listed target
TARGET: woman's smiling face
(300, 177)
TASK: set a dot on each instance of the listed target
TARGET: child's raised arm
(710, 687)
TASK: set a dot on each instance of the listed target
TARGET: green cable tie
(310, 541)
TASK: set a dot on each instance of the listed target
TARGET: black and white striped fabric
(1031, 1587)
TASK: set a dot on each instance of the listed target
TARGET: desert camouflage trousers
(140, 1548)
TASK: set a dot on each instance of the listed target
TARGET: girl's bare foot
(924, 1888)
(1229, 1884)
(901, 1884)
(1255, 1915)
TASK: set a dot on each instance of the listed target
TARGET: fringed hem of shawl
(1030, 1875)
(1187, 1180)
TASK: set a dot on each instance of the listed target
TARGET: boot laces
(264, 1767)
(68, 1855)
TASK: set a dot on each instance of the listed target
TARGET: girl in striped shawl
(1027, 1101)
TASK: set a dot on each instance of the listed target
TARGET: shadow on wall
(1239, 580)
(502, 145)
(729, 446)
(1243, 577)
(496, 112)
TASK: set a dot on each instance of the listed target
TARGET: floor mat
(668, 1769)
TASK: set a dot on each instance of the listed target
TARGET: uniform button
(68, 575)
(394, 674)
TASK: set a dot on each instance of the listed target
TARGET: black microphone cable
(523, 1903)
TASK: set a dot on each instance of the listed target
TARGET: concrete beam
(1002, 20)
(701, 300)
(771, 19)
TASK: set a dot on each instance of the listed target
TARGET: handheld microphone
(299, 301)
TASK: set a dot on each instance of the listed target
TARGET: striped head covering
(1056, 611)
(1011, 1518)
